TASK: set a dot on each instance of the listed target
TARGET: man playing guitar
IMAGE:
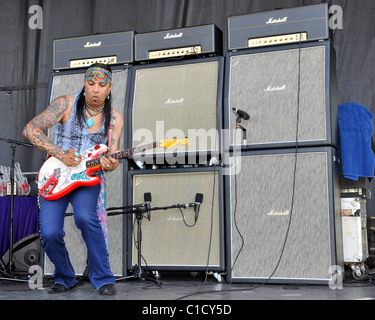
(81, 121)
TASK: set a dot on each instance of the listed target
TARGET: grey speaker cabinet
(178, 99)
(283, 220)
(278, 85)
(178, 239)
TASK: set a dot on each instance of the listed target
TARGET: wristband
(62, 155)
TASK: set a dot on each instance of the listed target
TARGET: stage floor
(187, 288)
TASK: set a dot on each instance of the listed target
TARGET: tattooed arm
(35, 130)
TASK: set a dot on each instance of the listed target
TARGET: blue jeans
(52, 213)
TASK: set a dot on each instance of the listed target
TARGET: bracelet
(62, 155)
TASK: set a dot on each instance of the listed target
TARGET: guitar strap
(102, 199)
(111, 127)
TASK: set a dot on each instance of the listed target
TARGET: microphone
(241, 114)
(198, 201)
(147, 198)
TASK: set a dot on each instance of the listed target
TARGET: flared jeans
(52, 214)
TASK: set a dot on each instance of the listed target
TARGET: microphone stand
(238, 126)
(13, 143)
(139, 211)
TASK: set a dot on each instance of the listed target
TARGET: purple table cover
(25, 220)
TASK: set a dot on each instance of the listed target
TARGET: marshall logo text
(278, 20)
(92, 44)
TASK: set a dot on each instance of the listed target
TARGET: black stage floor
(186, 287)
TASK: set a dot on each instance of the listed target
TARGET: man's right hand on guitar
(71, 158)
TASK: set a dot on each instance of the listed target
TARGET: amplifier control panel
(274, 40)
(88, 62)
(174, 52)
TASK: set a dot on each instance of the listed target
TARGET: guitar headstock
(172, 142)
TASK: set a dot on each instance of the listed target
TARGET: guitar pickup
(57, 173)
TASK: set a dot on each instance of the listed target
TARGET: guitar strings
(116, 155)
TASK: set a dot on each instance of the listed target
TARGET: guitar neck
(122, 154)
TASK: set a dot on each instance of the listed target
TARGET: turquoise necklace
(90, 121)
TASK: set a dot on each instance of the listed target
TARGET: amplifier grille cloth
(179, 100)
(264, 194)
(166, 240)
(265, 85)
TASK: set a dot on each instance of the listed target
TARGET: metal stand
(238, 126)
(241, 115)
(138, 271)
(10, 266)
(139, 211)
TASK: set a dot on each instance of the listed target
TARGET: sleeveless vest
(73, 134)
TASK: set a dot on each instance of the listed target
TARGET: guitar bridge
(95, 173)
(50, 187)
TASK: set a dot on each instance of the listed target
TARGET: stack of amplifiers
(174, 239)
(81, 52)
(281, 195)
(177, 99)
(69, 82)
(199, 40)
(283, 89)
(306, 23)
(283, 199)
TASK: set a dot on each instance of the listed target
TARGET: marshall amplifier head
(178, 42)
(277, 27)
(81, 52)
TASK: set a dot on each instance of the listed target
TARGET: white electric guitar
(55, 179)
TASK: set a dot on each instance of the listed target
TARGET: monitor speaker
(68, 82)
(178, 100)
(277, 87)
(284, 220)
(179, 239)
(26, 253)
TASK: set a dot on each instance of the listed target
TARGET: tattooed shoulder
(54, 113)
(59, 106)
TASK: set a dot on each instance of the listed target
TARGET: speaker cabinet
(172, 239)
(283, 216)
(283, 89)
(178, 100)
(68, 82)
(26, 253)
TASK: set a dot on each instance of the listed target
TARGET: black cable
(211, 228)
(293, 184)
(186, 224)
(210, 239)
(295, 166)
